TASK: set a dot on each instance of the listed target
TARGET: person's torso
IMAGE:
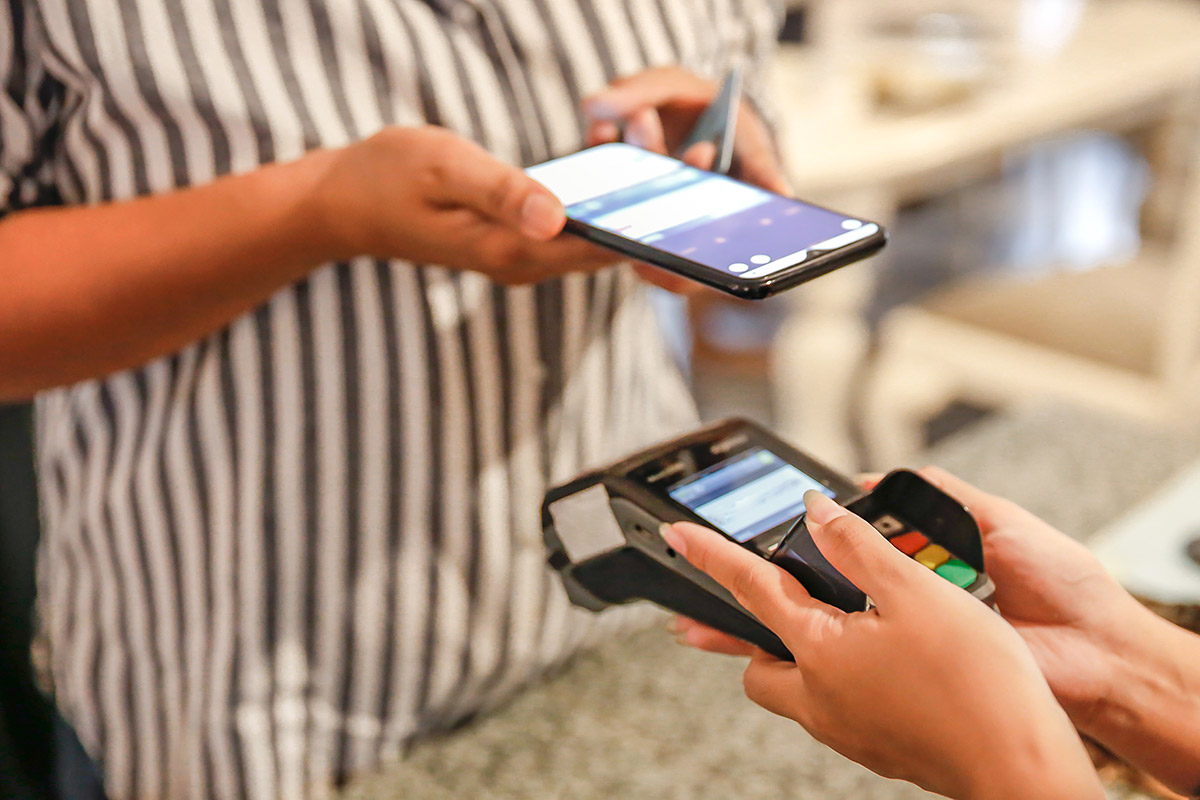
(275, 557)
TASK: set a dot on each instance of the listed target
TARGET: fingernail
(673, 538)
(634, 135)
(819, 508)
(541, 216)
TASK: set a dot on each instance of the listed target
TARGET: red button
(909, 543)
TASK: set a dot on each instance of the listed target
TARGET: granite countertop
(642, 717)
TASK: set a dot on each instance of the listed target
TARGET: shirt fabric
(276, 557)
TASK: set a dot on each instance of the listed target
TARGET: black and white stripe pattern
(276, 557)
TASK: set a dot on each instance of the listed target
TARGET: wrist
(1143, 674)
(1150, 716)
(1120, 647)
(1040, 768)
(323, 223)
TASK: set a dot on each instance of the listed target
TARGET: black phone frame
(753, 289)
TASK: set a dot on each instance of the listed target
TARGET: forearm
(91, 290)
(1151, 715)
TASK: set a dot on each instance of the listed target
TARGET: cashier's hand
(426, 194)
(930, 686)
(657, 109)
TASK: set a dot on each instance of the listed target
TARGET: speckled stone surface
(641, 717)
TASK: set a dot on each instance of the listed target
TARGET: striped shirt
(276, 557)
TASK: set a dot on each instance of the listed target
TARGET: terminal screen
(747, 494)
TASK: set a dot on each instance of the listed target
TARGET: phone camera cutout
(739, 267)
(760, 259)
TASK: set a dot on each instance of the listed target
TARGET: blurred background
(1034, 162)
(1033, 325)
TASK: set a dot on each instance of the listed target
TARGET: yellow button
(932, 556)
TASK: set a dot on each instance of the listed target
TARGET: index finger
(758, 159)
(563, 256)
(651, 88)
(670, 281)
(465, 174)
(766, 591)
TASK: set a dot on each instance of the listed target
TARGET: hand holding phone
(711, 228)
(672, 110)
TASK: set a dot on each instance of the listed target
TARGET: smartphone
(711, 228)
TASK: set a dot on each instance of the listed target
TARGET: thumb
(858, 551)
(469, 176)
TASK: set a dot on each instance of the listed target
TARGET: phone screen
(709, 219)
(747, 494)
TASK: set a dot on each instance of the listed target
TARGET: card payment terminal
(601, 529)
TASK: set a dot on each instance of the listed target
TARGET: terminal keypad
(917, 546)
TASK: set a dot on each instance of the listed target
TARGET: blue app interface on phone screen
(703, 217)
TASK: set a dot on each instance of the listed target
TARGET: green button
(957, 572)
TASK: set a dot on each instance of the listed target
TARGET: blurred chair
(1123, 339)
